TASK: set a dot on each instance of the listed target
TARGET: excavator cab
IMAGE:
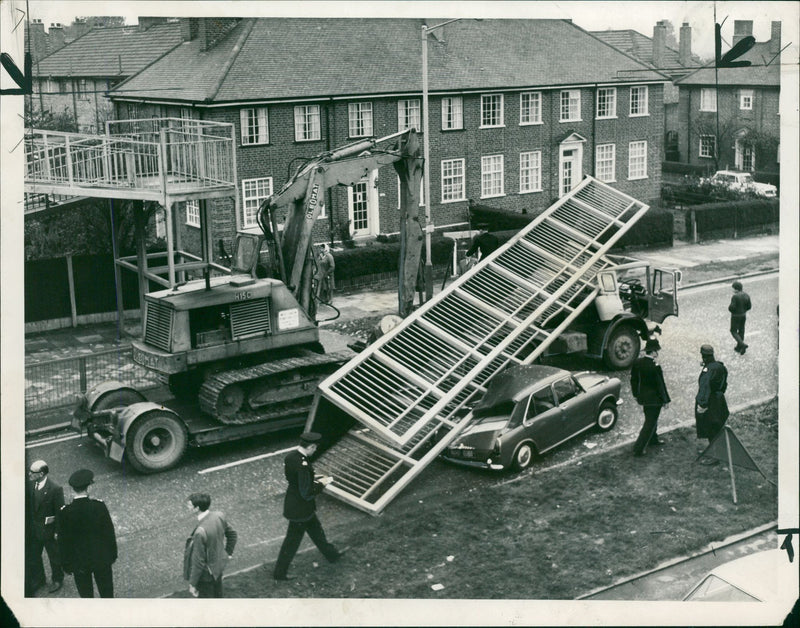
(253, 255)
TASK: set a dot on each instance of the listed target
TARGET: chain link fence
(56, 383)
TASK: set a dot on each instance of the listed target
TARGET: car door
(663, 294)
(567, 395)
(542, 419)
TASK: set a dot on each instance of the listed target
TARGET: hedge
(736, 216)
(382, 258)
(677, 167)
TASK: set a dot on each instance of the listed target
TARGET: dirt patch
(733, 268)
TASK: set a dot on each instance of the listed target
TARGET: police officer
(86, 539)
(299, 506)
(711, 408)
(649, 389)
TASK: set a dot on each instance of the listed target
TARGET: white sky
(640, 16)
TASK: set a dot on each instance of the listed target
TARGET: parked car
(752, 578)
(741, 182)
(528, 410)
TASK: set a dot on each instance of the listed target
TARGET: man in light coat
(208, 548)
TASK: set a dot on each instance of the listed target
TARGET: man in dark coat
(86, 539)
(208, 549)
(484, 242)
(711, 408)
(299, 506)
(649, 389)
(43, 499)
(740, 305)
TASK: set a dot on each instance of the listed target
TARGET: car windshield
(715, 589)
(746, 178)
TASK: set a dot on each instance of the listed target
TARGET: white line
(238, 462)
(52, 441)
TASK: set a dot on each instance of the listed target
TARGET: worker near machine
(484, 242)
(740, 305)
(299, 506)
(43, 499)
(650, 391)
(711, 408)
(325, 267)
(208, 548)
(86, 539)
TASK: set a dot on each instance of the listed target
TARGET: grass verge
(549, 534)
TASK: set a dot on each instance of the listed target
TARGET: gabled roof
(283, 58)
(637, 45)
(759, 74)
(103, 52)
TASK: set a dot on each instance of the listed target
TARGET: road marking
(245, 460)
(52, 441)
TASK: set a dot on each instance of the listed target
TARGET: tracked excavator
(241, 353)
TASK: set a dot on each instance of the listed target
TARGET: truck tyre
(118, 399)
(607, 416)
(622, 348)
(523, 456)
(155, 442)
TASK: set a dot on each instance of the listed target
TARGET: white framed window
(639, 104)
(637, 160)
(708, 146)
(359, 115)
(193, 213)
(186, 113)
(452, 113)
(570, 105)
(530, 171)
(492, 176)
(408, 115)
(491, 110)
(607, 102)
(530, 108)
(83, 87)
(453, 188)
(421, 192)
(254, 191)
(306, 123)
(746, 99)
(255, 129)
(605, 162)
(708, 99)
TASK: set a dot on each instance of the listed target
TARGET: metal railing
(56, 383)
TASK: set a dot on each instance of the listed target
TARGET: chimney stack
(38, 40)
(775, 38)
(685, 45)
(659, 43)
(741, 29)
(57, 39)
(147, 22)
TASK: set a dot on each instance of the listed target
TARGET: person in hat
(740, 305)
(711, 407)
(86, 539)
(208, 549)
(326, 266)
(484, 242)
(650, 391)
(43, 499)
(299, 506)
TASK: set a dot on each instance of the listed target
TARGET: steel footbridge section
(411, 391)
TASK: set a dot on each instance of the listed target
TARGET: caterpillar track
(270, 390)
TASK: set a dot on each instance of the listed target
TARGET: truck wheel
(622, 348)
(117, 399)
(607, 416)
(155, 442)
(523, 457)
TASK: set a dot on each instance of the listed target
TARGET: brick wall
(84, 101)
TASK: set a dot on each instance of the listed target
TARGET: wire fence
(56, 383)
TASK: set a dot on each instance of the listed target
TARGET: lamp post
(426, 168)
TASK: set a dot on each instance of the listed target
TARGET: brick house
(747, 101)
(76, 76)
(512, 127)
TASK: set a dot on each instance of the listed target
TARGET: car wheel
(155, 442)
(607, 416)
(622, 348)
(523, 457)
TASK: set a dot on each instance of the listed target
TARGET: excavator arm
(302, 196)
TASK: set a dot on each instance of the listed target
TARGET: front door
(362, 205)
(745, 156)
(569, 167)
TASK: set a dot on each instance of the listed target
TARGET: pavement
(86, 339)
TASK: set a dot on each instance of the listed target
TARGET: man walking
(740, 305)
(86, 539)
(208, 548)
(43, 499)
(299, 506)
(484, 242)
(711, 408)
(649, 389)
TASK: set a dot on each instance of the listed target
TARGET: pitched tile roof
(281, 58)
(759, 74)
(638, 45)
(104, 52)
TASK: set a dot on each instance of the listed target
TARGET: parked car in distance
(741, 182)
(528, 410)
(756, 577)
